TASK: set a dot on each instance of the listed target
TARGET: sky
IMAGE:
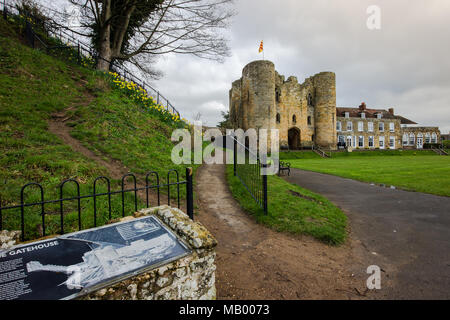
(404, 65)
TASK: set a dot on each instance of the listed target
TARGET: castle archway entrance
(294, 138)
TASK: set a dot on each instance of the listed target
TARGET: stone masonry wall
(416, 131)
(264, 99)
(8, 239)
(189, 278)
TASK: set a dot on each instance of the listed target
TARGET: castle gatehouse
(306, 114)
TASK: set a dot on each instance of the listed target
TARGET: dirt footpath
(254, 262)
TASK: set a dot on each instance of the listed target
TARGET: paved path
(408, 233)
(254, 262)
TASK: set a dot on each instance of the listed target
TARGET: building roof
(371, 113)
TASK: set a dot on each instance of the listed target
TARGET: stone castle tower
(305, 114)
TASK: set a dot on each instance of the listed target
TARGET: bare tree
(138, 30)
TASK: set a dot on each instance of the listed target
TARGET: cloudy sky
(405, 64)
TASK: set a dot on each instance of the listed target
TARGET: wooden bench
(284, 166)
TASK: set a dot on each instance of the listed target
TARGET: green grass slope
(33, 86)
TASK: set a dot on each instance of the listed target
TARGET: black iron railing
(82, 51)
(250, 174)
(95, 195)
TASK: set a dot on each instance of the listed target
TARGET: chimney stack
(362, 106)
(391, 111)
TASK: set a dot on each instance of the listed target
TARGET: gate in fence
(248, 167)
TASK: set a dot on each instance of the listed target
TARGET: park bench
(284, 166)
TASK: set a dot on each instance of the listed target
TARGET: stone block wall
(262, 98)
(325, 109)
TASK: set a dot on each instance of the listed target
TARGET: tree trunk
(104, 59)
(105, 52)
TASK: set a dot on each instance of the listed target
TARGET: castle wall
(325, 109)
(236, 110)
(262, 94)
(305, 114)
(292, 102)
(258, 95)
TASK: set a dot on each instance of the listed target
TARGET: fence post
(234, 155)
(189, 193)
(29, 33)
(264, 182)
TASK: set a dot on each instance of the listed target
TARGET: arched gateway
(294, 138)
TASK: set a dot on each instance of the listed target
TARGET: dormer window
(363, 115)
(379, 115)
(347, 114)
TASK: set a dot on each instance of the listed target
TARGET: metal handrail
(55, 28)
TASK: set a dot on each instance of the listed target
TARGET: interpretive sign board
(71, 265)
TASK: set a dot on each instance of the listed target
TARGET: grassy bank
(33, 87)
(293, 209)
(424, 173)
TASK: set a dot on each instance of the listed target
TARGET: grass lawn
(422, 172)
(293, 209)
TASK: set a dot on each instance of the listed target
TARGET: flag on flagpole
(261, 47)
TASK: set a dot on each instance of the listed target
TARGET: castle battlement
(304, 113)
